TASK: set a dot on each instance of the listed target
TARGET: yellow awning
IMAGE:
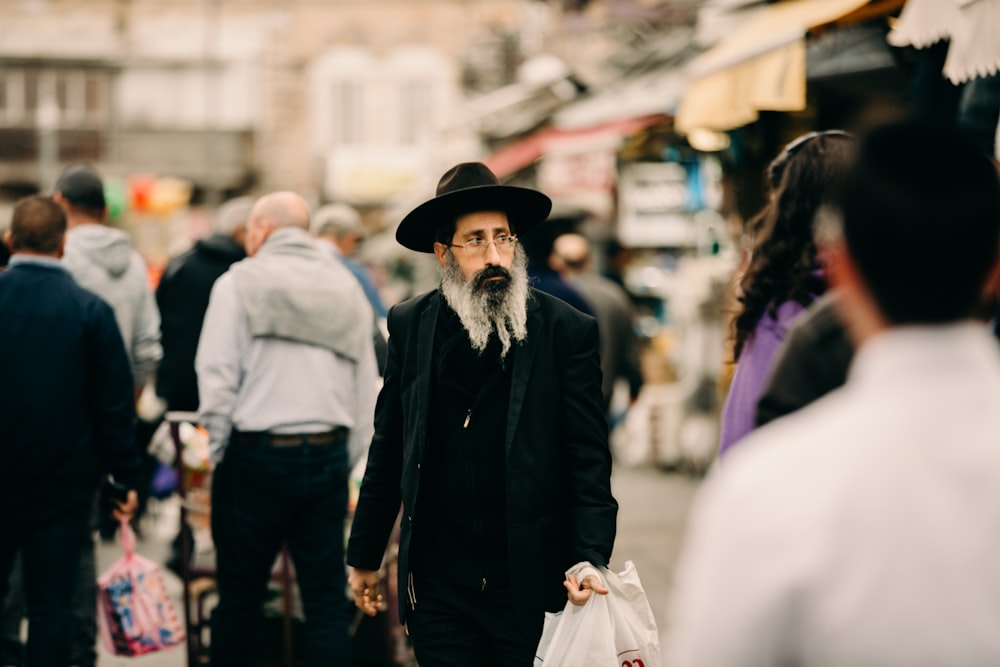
(761, 65)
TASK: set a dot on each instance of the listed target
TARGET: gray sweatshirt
(101, 259)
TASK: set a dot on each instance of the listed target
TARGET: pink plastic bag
(135, 611)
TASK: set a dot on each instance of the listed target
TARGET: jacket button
(410, 519)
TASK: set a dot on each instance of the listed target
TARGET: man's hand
(126, 510)
(365, 586)
(579, 592)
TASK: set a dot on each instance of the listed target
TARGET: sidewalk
(653, 508)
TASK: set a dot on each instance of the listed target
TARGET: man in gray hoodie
(102, 259)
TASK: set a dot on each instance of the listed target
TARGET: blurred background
(649, 122)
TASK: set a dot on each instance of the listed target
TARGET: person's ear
(439, 251)
(840, 268)
(62, 247)
(8, 241)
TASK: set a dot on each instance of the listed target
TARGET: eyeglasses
(478, 246)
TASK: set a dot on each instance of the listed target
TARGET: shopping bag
(135, 613)
(613, 630)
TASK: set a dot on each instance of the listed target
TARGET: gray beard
(483, 310)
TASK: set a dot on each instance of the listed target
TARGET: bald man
(612, 309)
(287, 380)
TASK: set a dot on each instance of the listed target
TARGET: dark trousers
(83, 648)
(453, 626)
(263, 497)
(50, 552)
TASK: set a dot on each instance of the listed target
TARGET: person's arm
(146, 349)
(365, 395)
(219, 363)
(111, 397)
(593, 510)
(380, 497)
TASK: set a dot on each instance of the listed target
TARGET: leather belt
(266, 439)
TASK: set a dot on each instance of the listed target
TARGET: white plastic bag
(613, 630)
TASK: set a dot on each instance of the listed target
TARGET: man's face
(485, 281)
(258, 229)
(479, 227)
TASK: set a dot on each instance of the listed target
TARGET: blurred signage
(573, 173)
(374, 176)
(653, 200)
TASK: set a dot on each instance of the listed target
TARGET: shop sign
(653, 199)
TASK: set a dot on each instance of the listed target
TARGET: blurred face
(258, 229)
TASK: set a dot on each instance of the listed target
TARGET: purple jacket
(752, 372)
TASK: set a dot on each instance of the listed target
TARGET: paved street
(654, 506)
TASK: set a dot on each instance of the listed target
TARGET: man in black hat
(490, 431)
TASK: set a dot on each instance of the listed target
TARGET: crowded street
(499, 333)
(653, 507)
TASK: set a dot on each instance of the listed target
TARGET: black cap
(81, 185)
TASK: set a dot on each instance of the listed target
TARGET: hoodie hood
(106, 247)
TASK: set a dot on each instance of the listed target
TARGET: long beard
(486, 306)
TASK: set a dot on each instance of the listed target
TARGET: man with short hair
(490, 432)
(862, 529)
(66, 419)
(612, 308)
(103, 260)
(338, 227)
(287, 382)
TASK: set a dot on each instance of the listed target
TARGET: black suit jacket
(66, 399)
(558, 499)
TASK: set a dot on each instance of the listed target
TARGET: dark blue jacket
(66, 394)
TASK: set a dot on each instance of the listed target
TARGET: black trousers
(261, 498)
(453, 626)
(50, 554)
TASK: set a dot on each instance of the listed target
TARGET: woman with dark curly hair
(784, 274)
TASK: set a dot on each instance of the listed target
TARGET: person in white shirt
(863, 529)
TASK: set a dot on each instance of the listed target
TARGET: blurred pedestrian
(613, 310)
(67, 417)
(102, 259)
(861, 530)
(338, 228)
(784, 275)
(490, 432)
(182, 298)
(287, 382)
(542, 275)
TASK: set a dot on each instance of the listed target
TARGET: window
(348, 115)
(80, 95)
(417, 107)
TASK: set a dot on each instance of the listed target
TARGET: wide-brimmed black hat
(467, 188)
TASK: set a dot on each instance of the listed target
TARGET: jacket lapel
(524, 356)
(425, 355)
